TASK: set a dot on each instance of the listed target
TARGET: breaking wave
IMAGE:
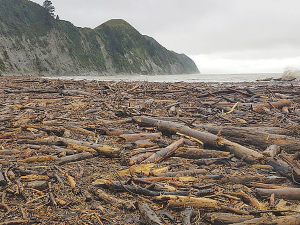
(291, 73)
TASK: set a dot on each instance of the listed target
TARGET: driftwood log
(227, 218)
(165, 152)
(285, 193)
(256, 136)
(207, 138)
(149, 216)
(281, 220)
(74, 158)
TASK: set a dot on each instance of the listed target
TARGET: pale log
(104, 150)
(74, 158)
(141, 136)
(207, 138)
(183, 201)
(104, 196)
(165, 152)
(149, 215)
(261, 137)
(284, 193)
(187, 216)
(227, 218)
(139, 158)
(281, 220)
(197, 153)
(194, 172)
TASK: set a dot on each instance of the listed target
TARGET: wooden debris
(227, 218)
(73, 152)
(285, 193)
(164, 153)
(149, 215)
(74, 158)
(141, 136)
(207, 138)
(187, 216)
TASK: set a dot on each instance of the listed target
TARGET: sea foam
(290, 73)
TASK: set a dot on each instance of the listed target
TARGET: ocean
(191, 78)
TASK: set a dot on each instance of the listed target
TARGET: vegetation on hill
(31, 40)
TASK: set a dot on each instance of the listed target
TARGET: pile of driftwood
(89, 152)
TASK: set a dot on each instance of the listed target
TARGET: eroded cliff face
(34, 44)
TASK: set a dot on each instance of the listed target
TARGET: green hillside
(34, 43)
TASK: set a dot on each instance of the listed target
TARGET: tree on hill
(50, 8)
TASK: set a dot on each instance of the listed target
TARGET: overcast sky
(221, 36)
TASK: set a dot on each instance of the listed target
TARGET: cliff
(34, 43)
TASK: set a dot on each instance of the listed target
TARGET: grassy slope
(22, 18)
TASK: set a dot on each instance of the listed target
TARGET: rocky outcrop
(32, 43)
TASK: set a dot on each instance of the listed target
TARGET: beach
(117, 152)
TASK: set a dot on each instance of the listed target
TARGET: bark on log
(74, 158)
(165, 152)
(207, 138)
(284, 193)
(266, 186)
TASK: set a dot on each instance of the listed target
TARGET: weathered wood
(139, 158)
(141, 136)
(248, 199)
(104, 150)
(149, 215)
(260, 137)
(165, 152)
(187, 216)
(272, 151)
(223, 160)
(107, 198)
(249, 179)
(281, 220)
(117, 186)
(43, 158)
(285, 193)
(227, 218)
(194, 172)
(2, 179)
(272, 105)
(74, 158)
(281, 167)
(197, 153)
(183, 201)
(204, 192)
(207, 138)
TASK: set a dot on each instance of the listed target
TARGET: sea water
(180, 78)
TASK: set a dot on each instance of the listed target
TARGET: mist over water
(180, 78)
